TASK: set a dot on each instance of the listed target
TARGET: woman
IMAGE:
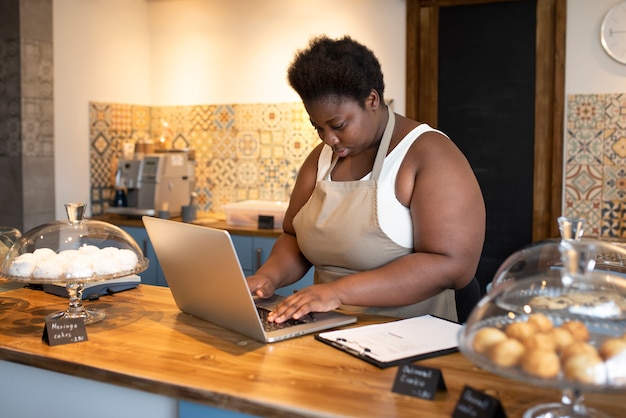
(387, 209)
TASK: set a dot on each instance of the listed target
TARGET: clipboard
(397, 342)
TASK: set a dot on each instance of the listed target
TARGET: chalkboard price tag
(64, 331)
(476, 404)
(421, 382)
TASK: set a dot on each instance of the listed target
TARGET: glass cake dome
(555, 317)
(71, 253)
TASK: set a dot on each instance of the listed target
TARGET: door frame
(422, 47)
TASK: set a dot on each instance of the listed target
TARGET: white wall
(213, 51)
(101, 52)
(184, 52)
(588, 68)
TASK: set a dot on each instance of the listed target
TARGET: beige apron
(338, 231)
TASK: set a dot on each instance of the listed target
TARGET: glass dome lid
(76, 250)
(555, 317)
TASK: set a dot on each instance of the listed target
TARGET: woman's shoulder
(408, 131)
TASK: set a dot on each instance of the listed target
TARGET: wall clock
(613, 32)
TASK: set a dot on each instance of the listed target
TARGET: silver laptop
(206, 280)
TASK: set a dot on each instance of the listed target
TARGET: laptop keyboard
(272, 326)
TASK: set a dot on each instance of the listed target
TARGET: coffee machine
(154, 182)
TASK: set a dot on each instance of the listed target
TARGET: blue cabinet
(195, 410)
(153, 274)
(253, 251)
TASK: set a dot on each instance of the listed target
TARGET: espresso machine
(154, 182)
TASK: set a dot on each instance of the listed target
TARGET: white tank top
(394, 218)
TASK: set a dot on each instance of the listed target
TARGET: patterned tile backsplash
(242, 151)
(254, 151)
(595, 163)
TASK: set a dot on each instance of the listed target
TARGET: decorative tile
(584, 146)
(272, 117)
(37, 127)
(224, 145)
(248, 144)
(121, 120)
(590, 210)
(583, 182)
(224, 117)
(299, 143)
(585, 111)
(615, 146)
(614, 183)
(615, 112)
(614, 218)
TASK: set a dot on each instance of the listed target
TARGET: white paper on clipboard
(397, 340)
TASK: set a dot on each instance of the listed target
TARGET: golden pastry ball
(486, 337)
(612, 347)
(562, 338)
(544, 341)
(506, 353)
(541, 322)
(520, 330)
(541, 363)
(585, 367)
(578, 347)
(578, 330)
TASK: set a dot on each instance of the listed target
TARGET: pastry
(541, 322)
(84, 262)
(612, 347)
(578, 347)
(103, 266)
(486, 337)
(128, 259)
(23, 265)
(541, 363)
(578, 330)
(42, 253)
(48, 268)
(520, 330)
(562, 338)
(506, 353)
(542, 340)
(585, 367)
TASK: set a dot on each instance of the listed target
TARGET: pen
(310, 313)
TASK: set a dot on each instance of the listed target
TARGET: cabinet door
(195, 410)
(243, 248)
(152, 273)
(262, 246)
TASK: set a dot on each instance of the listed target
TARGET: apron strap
(384, 145)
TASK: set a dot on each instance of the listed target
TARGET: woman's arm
(286, 264)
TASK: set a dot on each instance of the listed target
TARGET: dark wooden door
(487, 73)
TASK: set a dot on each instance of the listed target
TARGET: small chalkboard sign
(421, 382)
(64, 331)
(266, 222)
(476, 404)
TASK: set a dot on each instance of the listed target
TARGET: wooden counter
(145, 343)
(135, 221)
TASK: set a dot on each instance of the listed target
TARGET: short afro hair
(341, 67)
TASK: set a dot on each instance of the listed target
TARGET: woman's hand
(261, 286)
(317, 298)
